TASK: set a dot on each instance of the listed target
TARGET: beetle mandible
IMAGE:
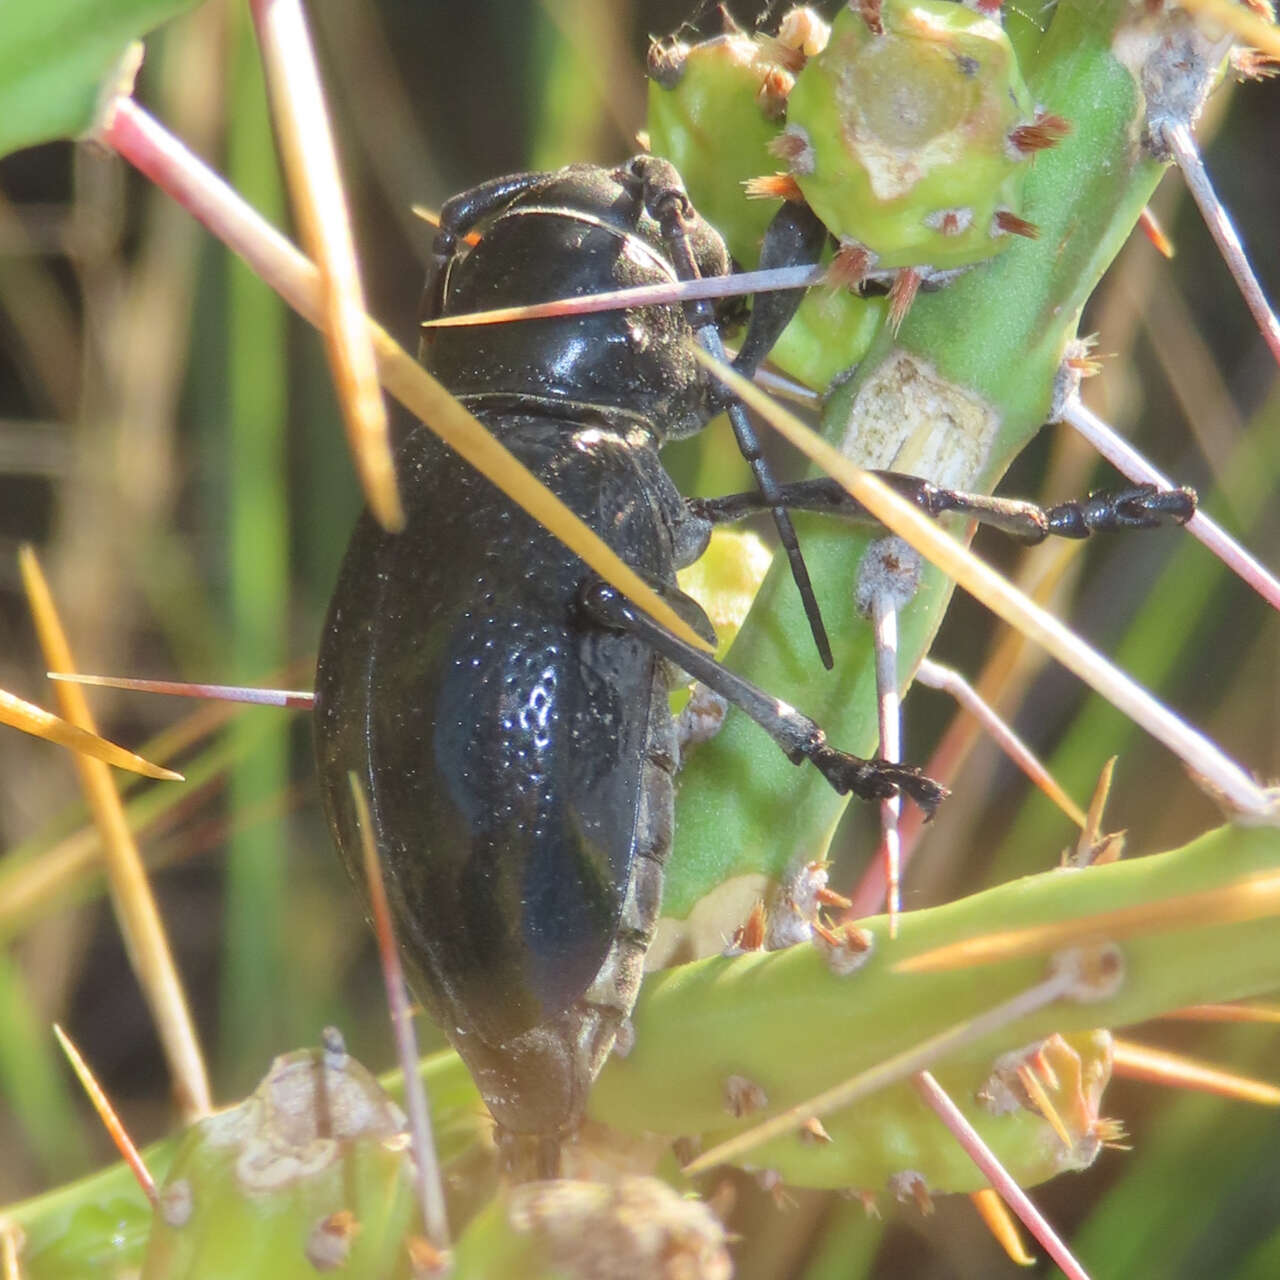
(507, 714)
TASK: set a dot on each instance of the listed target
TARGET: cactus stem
(1063, 981)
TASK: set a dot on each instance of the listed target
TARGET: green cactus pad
(899, 141)
(311, 1173)
(711, 126)
(707, 117)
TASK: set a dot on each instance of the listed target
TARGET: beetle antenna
(749, 447)
(669, 204)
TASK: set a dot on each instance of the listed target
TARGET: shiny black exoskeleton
(505, 712)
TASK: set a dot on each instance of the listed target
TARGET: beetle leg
(668, 202)
(1142, 506)
(796, 734)
(794, 238)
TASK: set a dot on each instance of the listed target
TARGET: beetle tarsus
(877, 779)
(1141, 506)
(798, 736)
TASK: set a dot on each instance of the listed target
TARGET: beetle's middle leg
(1140, 506)
(797, 735)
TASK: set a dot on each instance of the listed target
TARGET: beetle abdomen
(506, 751)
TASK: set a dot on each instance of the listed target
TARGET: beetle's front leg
(796, 734)
(668, 203)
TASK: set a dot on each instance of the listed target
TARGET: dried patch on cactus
(638, 1229)
(908, 417)
(743, 1097)
(702, 932)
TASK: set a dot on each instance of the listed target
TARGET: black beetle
(505, 712)
(512, 735)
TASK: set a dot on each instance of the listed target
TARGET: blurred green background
(170, 443)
